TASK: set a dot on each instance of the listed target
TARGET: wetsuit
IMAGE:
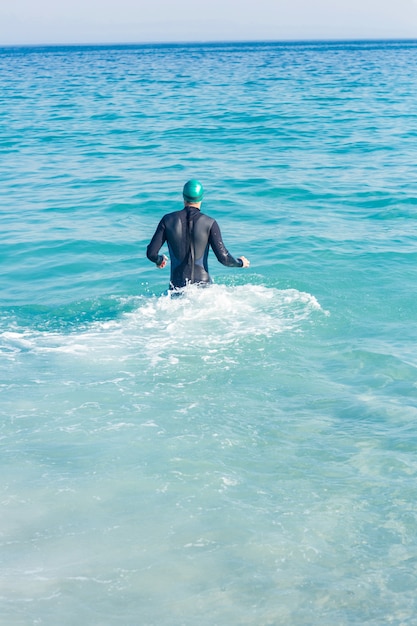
(189, 235)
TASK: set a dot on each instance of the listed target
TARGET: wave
(199, 320)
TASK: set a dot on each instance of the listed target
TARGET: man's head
(193, 192)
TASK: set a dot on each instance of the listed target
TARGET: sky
(145, 21)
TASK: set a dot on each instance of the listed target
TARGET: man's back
(189, 235)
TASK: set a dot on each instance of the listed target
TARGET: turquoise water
(245, 455)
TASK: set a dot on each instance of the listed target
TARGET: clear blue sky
(136, 21)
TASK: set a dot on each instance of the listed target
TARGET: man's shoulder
(173, 214)
(207, 218)
(181, 213)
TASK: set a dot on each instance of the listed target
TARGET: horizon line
(212, 42)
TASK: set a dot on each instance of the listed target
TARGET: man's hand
(244, 260)
(163, 262)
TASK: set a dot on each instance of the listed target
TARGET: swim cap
(193, 191)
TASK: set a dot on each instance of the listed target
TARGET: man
(189, 235)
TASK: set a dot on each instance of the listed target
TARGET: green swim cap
(193, 191)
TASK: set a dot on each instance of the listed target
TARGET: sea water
(245, 454)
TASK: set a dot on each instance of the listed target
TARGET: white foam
(211, 318)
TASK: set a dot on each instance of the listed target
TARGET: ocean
(244, 455)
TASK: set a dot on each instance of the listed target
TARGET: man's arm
(156, 243)
(219, 249)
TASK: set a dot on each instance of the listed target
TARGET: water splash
(199, 319)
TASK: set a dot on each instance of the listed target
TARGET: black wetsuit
(189, 235)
